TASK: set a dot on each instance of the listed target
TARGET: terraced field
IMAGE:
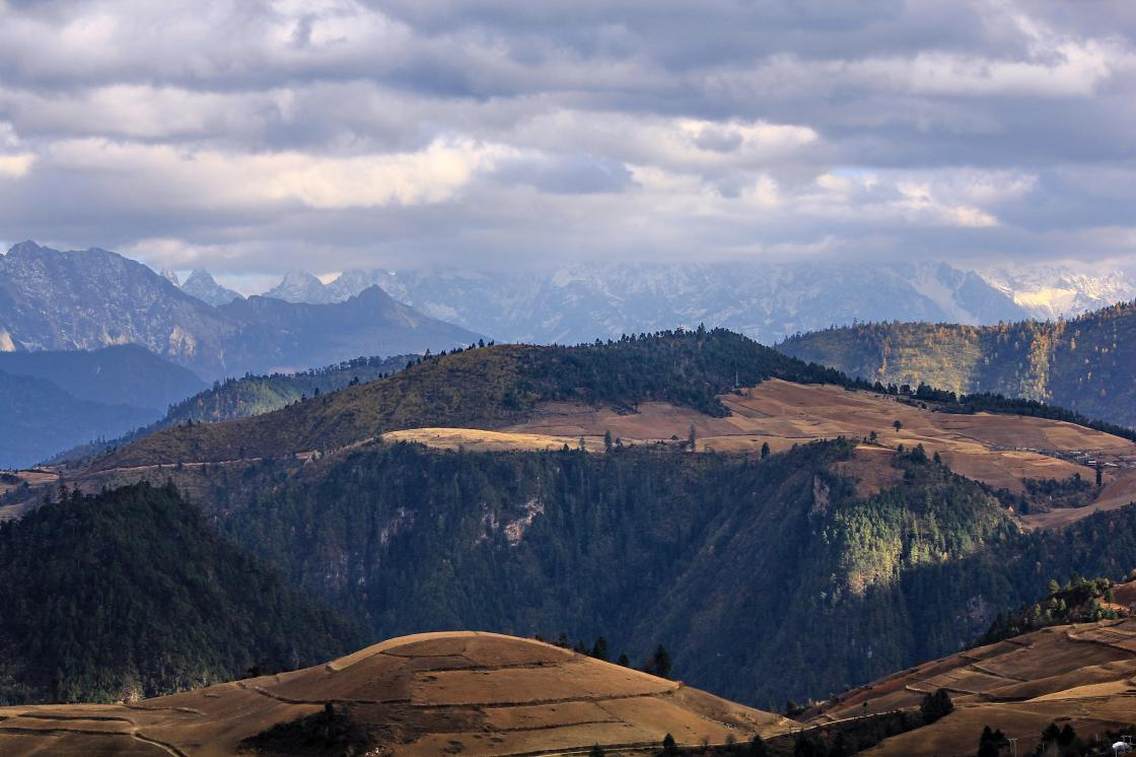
(428, 694)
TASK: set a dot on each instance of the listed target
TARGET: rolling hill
(1080, 676)
(1083, 364)
(429, 694)
(490, 387)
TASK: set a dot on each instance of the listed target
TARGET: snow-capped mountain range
(766, 301)
(1060, 290)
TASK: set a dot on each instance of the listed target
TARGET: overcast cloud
(254, 137)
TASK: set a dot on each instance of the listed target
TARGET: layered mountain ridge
(51, 300)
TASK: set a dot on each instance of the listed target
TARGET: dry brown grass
(999, 450)
(480, 693)
(1079, 674)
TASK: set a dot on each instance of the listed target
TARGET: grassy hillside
(488, 387)
(1084, 364)
(132, 593)
(457, 692)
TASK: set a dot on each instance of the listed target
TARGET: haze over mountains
(765, 301)
(54, 400)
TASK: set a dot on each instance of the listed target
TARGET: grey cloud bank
(259, 137)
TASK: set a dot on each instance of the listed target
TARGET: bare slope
(473, 693)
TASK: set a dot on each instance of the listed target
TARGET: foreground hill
(84, 300)
(1079, 676)
(429, 694)
(1084, 364)
(131, 593)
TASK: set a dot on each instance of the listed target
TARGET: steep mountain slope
(51, 300)
(38, 419)
(204, 287)
(1084, 364)
(444, 693)
(766, 301)
(131, 593)
(120, 375)
(722, 558)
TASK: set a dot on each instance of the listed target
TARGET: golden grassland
(432, 693)
(999, 450)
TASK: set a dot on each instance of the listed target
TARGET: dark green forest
(132, 593)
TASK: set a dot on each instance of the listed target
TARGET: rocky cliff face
(51, 300)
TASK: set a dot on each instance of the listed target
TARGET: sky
(252, 137)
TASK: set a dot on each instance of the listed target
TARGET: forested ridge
(1084, 364)
(132, 593)
(489, 386)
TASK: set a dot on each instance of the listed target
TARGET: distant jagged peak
(300, 286)
(26, 247)
(203, 286)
